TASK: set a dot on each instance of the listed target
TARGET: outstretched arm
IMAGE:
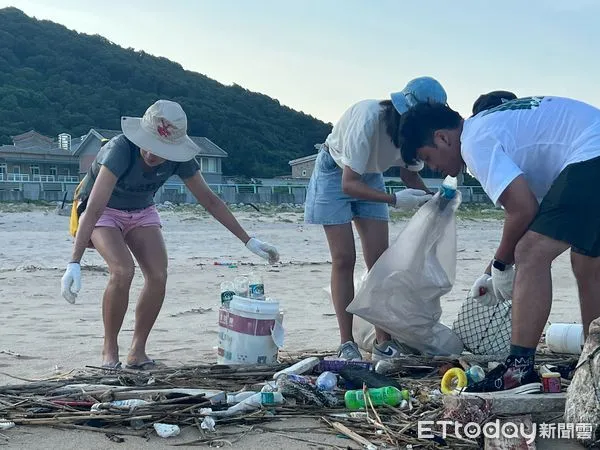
(215, 206)
(218, 209)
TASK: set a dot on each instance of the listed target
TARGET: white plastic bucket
(250, 332)
(565, 338)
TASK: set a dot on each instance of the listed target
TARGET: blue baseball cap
(419, 90)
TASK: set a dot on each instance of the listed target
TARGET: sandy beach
(51, 336)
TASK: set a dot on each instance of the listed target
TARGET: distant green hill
(56, 80)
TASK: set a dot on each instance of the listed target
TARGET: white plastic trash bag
(401, 293)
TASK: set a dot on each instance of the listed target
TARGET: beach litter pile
(371, 405)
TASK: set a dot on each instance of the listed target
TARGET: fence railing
(471, 194)
(68, 178)
(18, 177)
(48, 189)
(44, 178)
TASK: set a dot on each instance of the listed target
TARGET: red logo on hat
(163, 128)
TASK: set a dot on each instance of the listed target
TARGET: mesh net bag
(484, 330)
(582, 406)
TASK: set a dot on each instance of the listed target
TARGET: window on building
(35, 170)
(209, 165)
(304, 173)
(53, 171)
(16, 169)
(212, 165)
(3, 169)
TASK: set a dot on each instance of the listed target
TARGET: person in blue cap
(347, 187)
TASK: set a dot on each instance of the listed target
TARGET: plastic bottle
(227, 293)
(252, 403)
(300, 379)
(241, 286)
(327, 381)
(269, 387)
(304, 366)
(449, 186)
(234, 399)
(129, 404)
(335, 365)
(381, 396)
(448, 190)
(256, 286)
(125, 405)
(475, 374)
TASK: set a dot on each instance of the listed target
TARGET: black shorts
(570, 211)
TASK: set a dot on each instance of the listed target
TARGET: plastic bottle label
(375, 396)
(267, 398)
(226, 297)
(256, 290)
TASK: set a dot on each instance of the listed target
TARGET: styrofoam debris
(166, 430)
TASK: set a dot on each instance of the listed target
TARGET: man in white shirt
(539, 158)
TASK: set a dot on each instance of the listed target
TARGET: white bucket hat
(162, 131)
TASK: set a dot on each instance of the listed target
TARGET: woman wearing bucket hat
(347, 186)
(120, 219)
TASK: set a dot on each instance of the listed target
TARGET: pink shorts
(128, 220)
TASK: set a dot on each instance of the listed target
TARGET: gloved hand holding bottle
(411, 198)
(263, 249)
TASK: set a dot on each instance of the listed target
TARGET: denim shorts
(326, 203)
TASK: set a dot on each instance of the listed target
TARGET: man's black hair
(420, 122)
(491, 100)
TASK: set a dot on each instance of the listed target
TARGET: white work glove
(483, 291)
(264, 250)
(411, 198)
(71, 282)
(502, 282)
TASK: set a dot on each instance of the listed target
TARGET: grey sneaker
(349, 350)
(391, 349)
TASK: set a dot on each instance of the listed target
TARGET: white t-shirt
(360, 141)
(536, 137)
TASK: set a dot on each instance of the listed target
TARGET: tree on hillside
(56, 80)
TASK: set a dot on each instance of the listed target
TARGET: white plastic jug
(565, 338)
(250, 332)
